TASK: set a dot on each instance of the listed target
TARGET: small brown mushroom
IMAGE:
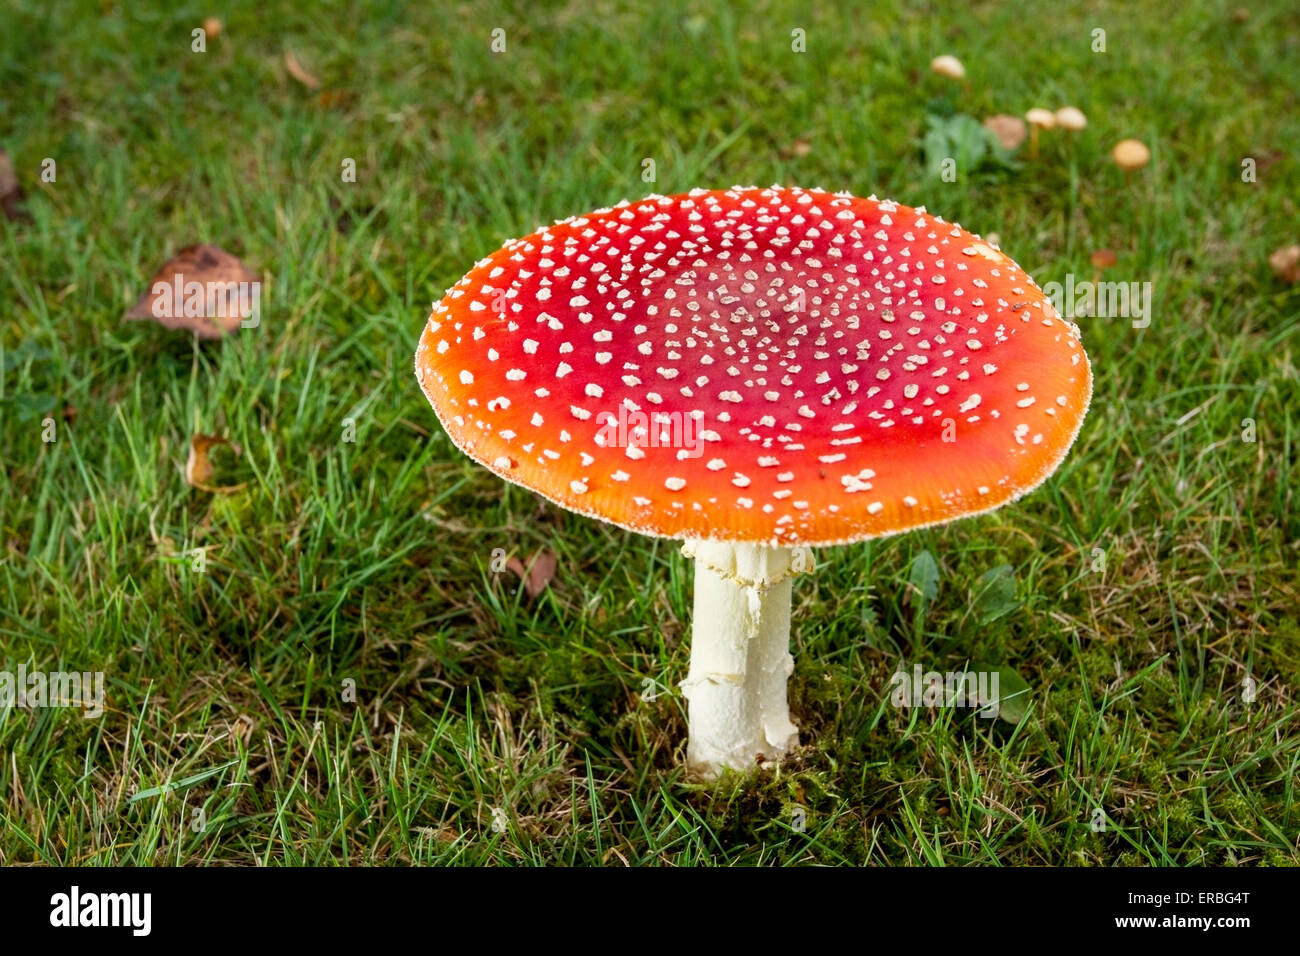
(1102, 259)
(1130, 154)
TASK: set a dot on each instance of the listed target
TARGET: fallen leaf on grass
(796, 149)
(299, 72)
(1010, 130)
(11, 193)
(332, 99)
(1266, 158)
(538, 574)
(203, 289)
(198, 466)
(1286, 264)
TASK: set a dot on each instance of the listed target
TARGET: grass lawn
(489, 727)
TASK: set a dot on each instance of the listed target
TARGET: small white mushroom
(1038, 118)
(949, 66)
(1071, 118)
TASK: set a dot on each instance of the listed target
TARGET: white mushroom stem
(740, 655)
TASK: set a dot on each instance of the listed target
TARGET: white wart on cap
(821, 346)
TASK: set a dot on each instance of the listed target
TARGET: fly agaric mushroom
(757, 372)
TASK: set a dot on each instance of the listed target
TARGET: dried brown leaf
(797, 148)
(334, 99)
(300, 72)
(1266, 158)
(1286, 264)
(198, 466)
(1010, 130)
(11, 193)
(203, 289)
(538, 573)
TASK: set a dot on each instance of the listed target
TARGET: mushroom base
(740, 655)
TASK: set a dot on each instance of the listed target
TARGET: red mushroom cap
(775, 365)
